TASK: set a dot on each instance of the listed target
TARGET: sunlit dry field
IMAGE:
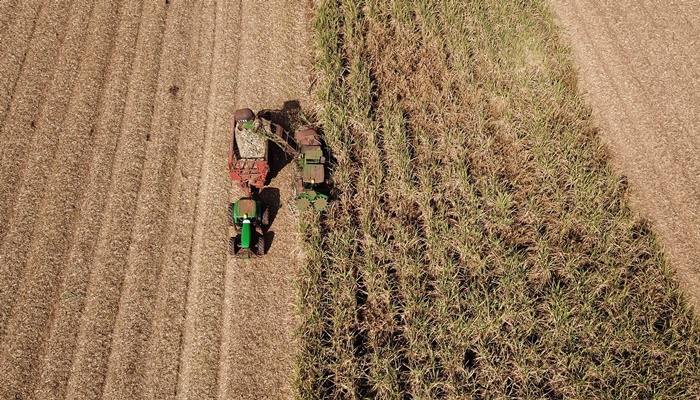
(481, 243)
(114, 278)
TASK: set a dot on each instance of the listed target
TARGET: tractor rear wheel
(231, 220)
(261, 245)
(233, 246)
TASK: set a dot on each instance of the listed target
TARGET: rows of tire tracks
(113, 276)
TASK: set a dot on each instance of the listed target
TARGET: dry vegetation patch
(480, 245)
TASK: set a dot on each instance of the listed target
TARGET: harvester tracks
(90, 361)
(201, 337)
(25, 120)
(18, 29)
(114, 279)
(163, 360)
(49, 241)
(7, 13)
(62, 342)
(31, 179)
(133, 325)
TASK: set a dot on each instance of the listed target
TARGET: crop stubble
(28, 116)
(19, 36)
(201, 340)
(62, 341)
(49, 240)
(114, 270)
(107, 274)
(134, 320)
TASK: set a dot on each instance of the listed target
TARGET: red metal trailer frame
(248, 172)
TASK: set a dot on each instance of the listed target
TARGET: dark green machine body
(311, 178)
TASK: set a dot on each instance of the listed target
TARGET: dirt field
(639, 67)
(114, 279)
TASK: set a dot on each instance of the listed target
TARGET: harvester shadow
(291, 116)
(277, 160)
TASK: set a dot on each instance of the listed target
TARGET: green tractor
(248, 217)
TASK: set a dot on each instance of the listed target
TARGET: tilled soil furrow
(133, 325)
(20, 226)
(37, 295)
(17, 43)
(8, 10)
(201, 337)
(107, 274)
(672, 41)
(25, 80)
(225, 364)
(162, 365)
(259, 314)
(61, 343)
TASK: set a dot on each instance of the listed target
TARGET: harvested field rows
(639, 67)
(114, 281)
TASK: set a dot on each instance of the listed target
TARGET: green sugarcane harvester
(311, 184)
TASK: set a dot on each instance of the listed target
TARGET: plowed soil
(114, 277)
(640, 67)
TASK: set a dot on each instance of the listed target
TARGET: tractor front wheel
(233, 246)
(303, 202)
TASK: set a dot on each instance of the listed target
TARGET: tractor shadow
(290, 117)
(270, 198)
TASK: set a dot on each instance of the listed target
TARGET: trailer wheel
(261, 245)
(231, 220)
